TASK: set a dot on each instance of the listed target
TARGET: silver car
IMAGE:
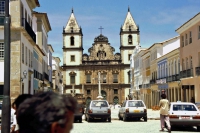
(133, 109)
(98, 109)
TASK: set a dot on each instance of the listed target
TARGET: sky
(157, 19)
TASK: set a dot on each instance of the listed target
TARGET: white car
(133, 109)
(185, 114)
(98, 109)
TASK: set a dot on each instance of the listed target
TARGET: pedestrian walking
(164, 114)
(47, 112)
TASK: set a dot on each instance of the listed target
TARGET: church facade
(80, 70)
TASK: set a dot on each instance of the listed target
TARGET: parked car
(184, 114)
(78, 115)
(98, 109)
(198, 105)
(133, 109)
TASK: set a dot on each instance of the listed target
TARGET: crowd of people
(45, 112)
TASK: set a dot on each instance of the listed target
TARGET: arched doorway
(104, 95)
(88, 99)
(116, 100)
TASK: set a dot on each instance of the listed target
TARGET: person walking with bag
(164, 114)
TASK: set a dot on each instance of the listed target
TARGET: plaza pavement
(151, 114)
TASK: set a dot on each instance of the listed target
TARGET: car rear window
(99, 104)
(135, 104)
(184, 108)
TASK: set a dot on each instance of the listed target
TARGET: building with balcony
(50, 58)
(136, 74)
(22, 41)
(57, 76)
(42, 27)
(190, 58)
(26, 51)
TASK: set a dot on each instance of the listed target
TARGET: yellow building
(190, 58)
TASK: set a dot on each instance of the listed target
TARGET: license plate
(99, 111)
(136, 111)
(182, 117)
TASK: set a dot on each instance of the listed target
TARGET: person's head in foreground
(46, 112)
(20, 99)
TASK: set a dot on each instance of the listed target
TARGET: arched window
(72, 41)
(115, 100)
(130, 41)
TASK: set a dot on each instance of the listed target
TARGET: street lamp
(24, 73)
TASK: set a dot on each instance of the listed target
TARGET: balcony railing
(146, 86)
(29, 29)
(153, 81)
(186, 73)
(169, 79)
(45, 76)
(140, 86)
(197, 70)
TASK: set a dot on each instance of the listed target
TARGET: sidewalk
(151, 115)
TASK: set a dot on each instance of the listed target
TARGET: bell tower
(72, 42)
(129, 38)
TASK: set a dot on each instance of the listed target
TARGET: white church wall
(134, 39)
(126, 75)
(77, 39)
(77, 57)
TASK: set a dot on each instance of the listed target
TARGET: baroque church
(80, 70)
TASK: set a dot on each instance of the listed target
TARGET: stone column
(190, 93)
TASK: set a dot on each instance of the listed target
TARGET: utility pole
(6, 105)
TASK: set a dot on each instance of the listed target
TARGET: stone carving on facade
(85, 57)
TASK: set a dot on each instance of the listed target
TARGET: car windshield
(99, 104)
(184, 107)
(135, 104)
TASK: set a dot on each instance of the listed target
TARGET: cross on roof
(101, 29)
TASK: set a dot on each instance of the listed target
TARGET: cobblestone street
(116, 126)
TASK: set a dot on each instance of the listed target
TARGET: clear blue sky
(157, 19)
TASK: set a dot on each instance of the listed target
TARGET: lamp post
(6, 105)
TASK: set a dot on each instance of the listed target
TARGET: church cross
(101, 29)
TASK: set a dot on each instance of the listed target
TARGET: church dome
(101, 38)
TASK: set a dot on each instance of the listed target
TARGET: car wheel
(145, 119)
(80, 120)
(119, 117)
(198, 128)
(109, 119)
(89, 119)
(124, 118)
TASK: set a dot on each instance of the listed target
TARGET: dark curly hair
(20, 99)
(36, 114)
